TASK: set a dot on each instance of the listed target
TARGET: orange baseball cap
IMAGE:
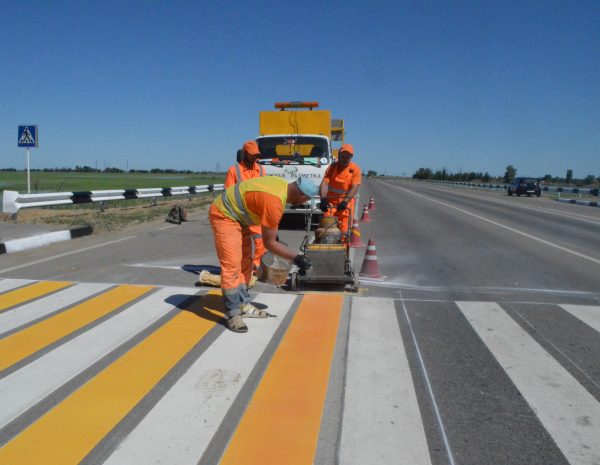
(251, 148)
(347, 148)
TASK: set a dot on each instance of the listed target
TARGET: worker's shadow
(207, 306)
(196, 269)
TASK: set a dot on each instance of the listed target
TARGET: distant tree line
(509, 176)
(109, 169)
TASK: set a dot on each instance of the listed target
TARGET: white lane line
(382, 424)
(590, 315)
(500, 225)
(29, 312)
(181, 425)
(9, 284)
(167, 227)
(54, 257)
(23, 388)
(569, 413)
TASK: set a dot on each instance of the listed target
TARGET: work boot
(236, 324)
(250, 311)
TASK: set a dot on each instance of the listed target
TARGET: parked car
(526, 186)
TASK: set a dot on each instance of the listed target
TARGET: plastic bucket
(273, 269)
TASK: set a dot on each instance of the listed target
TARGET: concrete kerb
(25, 240)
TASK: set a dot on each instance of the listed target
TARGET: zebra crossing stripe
(385, 428)
(29, 312)
(22, 389)
(9, 284)
(67, 433)
(22, 344)
(179, 428)
(568, 412)
(33, 291)
(588, 314)
(281, 423)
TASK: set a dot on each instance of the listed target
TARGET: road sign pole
(28, 177)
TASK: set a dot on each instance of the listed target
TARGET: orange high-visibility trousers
(234, 249)
(259, 245)
(343, 216)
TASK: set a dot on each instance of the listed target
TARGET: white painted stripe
(24, 314)
(54, 257)
(23, 388)
(8, 284)
(382, 422)
(500, 225)
(180, 427)
(568, 412)
(17, 245)
(590, 315)
(370, 257)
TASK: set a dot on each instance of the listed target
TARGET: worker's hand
(342, 205)
(324, 205)
(302, 262)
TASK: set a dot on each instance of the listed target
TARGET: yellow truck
(297, 140)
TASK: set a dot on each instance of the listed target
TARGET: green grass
(70, 182)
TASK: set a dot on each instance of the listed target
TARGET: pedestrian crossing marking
(22, 344)
(30, 292)
(287, 405)
(67, 433)
(564, 407)
(49, 426)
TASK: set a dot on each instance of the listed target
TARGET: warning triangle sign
(26, 137)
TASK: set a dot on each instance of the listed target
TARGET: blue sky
(461, 85)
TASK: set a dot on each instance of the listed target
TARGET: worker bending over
(339, 186)
(259, 201)
(247, 168)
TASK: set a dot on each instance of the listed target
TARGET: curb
(40, 240)
(580, 202)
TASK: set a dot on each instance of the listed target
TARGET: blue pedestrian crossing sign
(28, 136)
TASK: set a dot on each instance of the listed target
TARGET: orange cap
(347, 148)
(251, 148)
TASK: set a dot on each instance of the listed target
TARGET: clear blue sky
(467, 85)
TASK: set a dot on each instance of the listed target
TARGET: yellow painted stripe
(30, 292)
(281, 424)
(19, 345)
(66, 434)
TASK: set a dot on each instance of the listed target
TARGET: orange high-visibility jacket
(240, 172)
(341, 180)
(232, 202)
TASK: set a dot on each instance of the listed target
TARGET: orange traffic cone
(355, 240)
(372, 204)
(365, 218)
(370, 268)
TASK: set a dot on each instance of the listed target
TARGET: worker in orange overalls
(249, 168)
(259, 201)
(339, 186)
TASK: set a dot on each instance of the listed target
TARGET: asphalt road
(480, 346)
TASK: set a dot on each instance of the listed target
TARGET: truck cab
(296, 141)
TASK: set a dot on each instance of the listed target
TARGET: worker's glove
(302, 262)
(324, 205)
(342, 205)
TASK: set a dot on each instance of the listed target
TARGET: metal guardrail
(566, 190)
(13, 201)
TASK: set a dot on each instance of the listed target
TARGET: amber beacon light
(283, 105)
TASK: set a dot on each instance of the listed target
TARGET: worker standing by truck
(259, 201)
(339, 186)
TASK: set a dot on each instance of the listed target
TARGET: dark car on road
(526, 186)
